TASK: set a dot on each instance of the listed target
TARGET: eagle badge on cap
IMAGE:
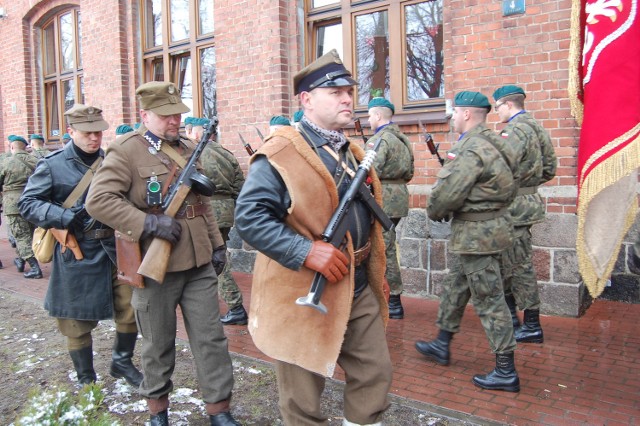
(171, 90)
(90, 110)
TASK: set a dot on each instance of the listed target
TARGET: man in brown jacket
(123, 196)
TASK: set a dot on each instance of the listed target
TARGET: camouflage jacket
(537, 164)
(40, 153)
(480, 177)
(14, 174)
(394, 166)
(222, 167)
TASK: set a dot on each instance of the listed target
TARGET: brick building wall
(259, 47)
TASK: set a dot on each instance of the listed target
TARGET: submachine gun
(336, 230)
(154, 264)
(433, 148)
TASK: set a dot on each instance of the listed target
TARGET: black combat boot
(235, 316)
(121, 365)
(438, 349)
(395, 307)
(530, 331)
(503, 377)
(160, 419)
(223, 419)
(511, 303)
(35, 271)
(83, 363)
(20, 262)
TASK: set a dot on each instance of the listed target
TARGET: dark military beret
(326, 71)
(471, 99)
(36, 136)
(123, 128)
(66, 136)
(508, 90)
(161, 97)
(381, 102)
(196, 121)
(86, 118)
(15, 138)
(279, 120)
(297, 116)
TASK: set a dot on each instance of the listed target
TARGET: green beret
(161, 97)
(471, 99)
(508, 90)
(123, 128)
(66, 136)
(326, 71)
(381, 102)
(36, 136)
(279, 120)
(196, 121)
(86, 118)
(15, 138)
(297, 116)
(136, 126)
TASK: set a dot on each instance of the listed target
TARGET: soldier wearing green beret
(276, 122)
(394, 165)
(126, 193)
(38, 149)
(537, 164)
(82, 291)
(221, 166)
(475, 187)
(66, 138)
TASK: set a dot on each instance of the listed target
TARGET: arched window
(61, 69)
(178, 46)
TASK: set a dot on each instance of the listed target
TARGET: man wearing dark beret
(537, 164)
(126, 194)
(83, 288)
(475, 187)
(38, 149)
(394, 165)
(294, 184)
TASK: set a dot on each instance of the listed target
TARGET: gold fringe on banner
(575, 60)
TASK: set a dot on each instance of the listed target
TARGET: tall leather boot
(83, 363)
(513, 309)
(121, 365)
(20, 262)
(223, 419)
(160, 419)
(396, 311)
(438, 349)
(235, 316)
(35, 271)
(503, 377)
(530, 331)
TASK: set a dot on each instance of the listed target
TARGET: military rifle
(358, 126)
(433, 148)
(259, 134)
(154, 264)
(246, 145)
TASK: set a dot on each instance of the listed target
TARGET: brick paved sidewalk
(586, 372)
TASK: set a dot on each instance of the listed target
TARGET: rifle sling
(82, 185)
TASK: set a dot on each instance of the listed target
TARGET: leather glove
(328, 260)
(75, 221)
(162, 226)
(219, 258)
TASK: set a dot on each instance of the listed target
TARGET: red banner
(605, 95)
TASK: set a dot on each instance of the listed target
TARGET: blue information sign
(512, 7)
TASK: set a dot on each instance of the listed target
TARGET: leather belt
(190, 211)
(528, 190)
(480, 216)
(98, 234)
(361, 254)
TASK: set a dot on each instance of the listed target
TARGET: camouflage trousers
(22, 231)
(477, 277)
(523, 283)
(227, 286)
(393, 263)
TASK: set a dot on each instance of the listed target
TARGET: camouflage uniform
(40, 153)
(221, 166)
(394, 166)
(537, 164)
(14, 174)
(476, 186)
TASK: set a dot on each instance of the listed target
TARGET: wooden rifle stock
(358, 126)
(433, 149)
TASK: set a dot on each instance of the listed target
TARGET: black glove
(162, 226)
(219, 258)
(75, 221)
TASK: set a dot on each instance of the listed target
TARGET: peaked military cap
(279, 120)
(15, 138)
(471, 99)
(297, 116)
(36, 136)
(86, 118)
(197, 121)
(161, 97)
(381, 102)
(508, 90)
(326, 71)
(123, 128)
